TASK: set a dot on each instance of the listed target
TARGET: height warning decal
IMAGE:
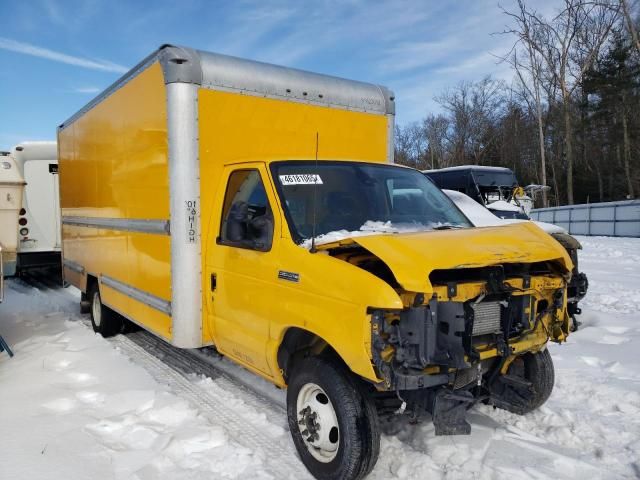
(301, 179)
(192, 221)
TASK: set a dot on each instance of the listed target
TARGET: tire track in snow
(195, 362)
(173, 367)
(280, 456)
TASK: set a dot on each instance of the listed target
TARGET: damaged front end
(444, 353)
(475, 319)
(579, 284)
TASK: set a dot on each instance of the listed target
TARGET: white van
(39, 223)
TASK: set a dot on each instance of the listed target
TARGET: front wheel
(527, 384)
(333, 423)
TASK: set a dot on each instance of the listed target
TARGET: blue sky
(56, 55)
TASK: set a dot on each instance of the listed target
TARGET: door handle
(214, 282)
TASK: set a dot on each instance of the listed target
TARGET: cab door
(243, 264)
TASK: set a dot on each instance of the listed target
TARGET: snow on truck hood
(413, 256)
(369, 228)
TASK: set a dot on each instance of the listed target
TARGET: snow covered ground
(76, 406)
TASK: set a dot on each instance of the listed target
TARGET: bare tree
(630, 24)
(567, 45)
(529, 71)
(633, 33)
(410, 145)
(436, 128)
(474, 108)
(401, 145)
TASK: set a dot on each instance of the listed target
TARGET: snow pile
(73, 405)
(616, 287)
(601, 251)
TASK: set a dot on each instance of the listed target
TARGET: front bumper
(577, 290)
(579, 284)
(456, 336)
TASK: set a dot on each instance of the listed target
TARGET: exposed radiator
(464, 377)
(486, 318)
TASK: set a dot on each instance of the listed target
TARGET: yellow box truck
(220, 201)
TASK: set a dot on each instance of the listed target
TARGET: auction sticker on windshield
(300, 179)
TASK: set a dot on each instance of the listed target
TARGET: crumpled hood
(413, 256)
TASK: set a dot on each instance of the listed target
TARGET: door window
(247, 219)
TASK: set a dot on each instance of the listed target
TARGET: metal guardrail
(610, 219)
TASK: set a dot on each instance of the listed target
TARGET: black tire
(105, 321)
(536, 368)
(129, 327)
(85, 303)
(359, 431)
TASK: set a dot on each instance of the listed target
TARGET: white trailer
(11, 189)
(39, 223)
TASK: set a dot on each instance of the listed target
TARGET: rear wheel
(105, 321)
(527, 384)
(333, 423)
(85, 303)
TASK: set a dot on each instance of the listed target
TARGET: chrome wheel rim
(318, 423)
(96, 309)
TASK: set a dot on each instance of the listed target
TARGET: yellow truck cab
(216, 201)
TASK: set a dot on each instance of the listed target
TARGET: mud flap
(449, 411)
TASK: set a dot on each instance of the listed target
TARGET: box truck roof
(227, 73)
